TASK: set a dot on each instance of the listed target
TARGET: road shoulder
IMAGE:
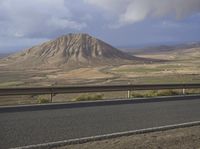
(183, 138)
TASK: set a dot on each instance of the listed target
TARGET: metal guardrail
(81, 89)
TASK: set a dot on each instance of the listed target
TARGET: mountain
(72, 50)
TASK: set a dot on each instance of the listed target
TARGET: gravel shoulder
(182, 138)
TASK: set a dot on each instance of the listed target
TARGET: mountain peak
(71, 50)
(76, 35)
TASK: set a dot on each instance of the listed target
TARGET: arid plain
(79, 59)
(181, 66)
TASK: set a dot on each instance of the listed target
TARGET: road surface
(42, 126)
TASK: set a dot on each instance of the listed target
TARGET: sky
(122, 23)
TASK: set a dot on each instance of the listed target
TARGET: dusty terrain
(180, 67)
(183, 138)
(80, 59)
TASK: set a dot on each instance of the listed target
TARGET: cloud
(37, 18)
(132, 11)
(8, 44)
(61, 23)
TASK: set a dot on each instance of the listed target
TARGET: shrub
(137, 95)
(155, 93)
(43, 100)
(168, 93)
(88, 97)
(152, 93)
(146, 94)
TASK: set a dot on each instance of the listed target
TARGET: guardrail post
(183, 91)
(128, 94)
(51, 97)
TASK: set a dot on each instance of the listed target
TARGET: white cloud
(60, 23)
(132, 11)
(36, 18)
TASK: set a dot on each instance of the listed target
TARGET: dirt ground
(183, 138)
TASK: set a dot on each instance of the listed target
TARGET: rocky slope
(72, 50)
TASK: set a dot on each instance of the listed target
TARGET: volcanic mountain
(72, 50)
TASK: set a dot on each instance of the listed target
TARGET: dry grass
(182, 67)
(81, 73)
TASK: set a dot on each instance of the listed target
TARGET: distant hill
(72, 50)
(3, 55)
(165, 48)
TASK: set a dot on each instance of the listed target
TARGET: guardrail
(52, 90)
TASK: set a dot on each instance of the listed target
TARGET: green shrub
(144, 94)
(137, 95)
(193, 91)
(168, 93)
(43, 100)
(152, 94)
(87, 97)
(155, 93)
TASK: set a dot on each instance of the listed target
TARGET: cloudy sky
(122, 23)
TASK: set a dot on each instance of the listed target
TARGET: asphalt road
(42, 126)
